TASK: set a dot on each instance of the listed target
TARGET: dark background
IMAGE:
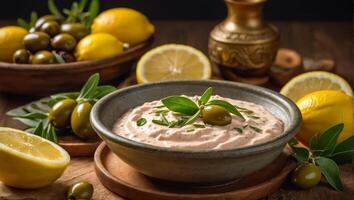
(304, 10)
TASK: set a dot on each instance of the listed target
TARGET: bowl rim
(80, 64)
(295, 115)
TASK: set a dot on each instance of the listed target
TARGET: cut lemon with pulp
(173, 62)
(28, 161)
(306, 83)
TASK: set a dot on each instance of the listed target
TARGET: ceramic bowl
(40, 79)
(203, 166)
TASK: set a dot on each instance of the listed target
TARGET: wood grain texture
(311, 39)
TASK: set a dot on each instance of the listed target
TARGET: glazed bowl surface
(194, 166)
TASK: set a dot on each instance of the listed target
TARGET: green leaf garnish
(94, 9)
(58, 58)
(229, 107)
(193, 118)
(344, 151)
(240, 130)
(330, 171)
(190, 130)
(180, 104)
(89, 88)
(141, 122)
(301, 154)
(54, 10)
(258, 130)
(159, 122)
(325, 143)
(199, 125)
(206, 96)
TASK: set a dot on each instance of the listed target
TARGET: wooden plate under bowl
(46, 79)
(124, 180)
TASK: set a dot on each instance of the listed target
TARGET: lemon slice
(306, 83)
(173, 62)
(28, 161)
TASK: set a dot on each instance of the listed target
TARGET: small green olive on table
(306, 176)
(63, 41)
(77, 30)
(51, 28)
(43, 57)
(216, 115)
(21, 56)
(80, 191)
(36, 41)
(80, 121)
(60, 114)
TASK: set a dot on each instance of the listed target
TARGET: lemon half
(173, 62)
(28, 161)
(306, 83)
(323, 109)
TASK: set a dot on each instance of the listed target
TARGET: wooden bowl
(44, 78)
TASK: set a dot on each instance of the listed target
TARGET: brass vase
(243, 42)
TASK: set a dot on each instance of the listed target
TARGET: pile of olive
(69, 113)
(49, 37)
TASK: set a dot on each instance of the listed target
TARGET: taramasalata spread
(208, 126)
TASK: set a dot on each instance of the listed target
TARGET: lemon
(127, 25)
(173, 62)
(323, 109)
(11, 39)
(309, 82)
(28, 161)
(98, 45)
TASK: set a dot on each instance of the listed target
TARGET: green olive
(306, 176)
(51, 28)
(81, 190)
(67, 56)
(75, 29)
(43, 57)
(64, 42)
(80, 121)
(21, 56)
(60, 113)
(43, 19)
(36, 41)
(216, 115)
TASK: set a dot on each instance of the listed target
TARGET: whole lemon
(11, 39)
(127, 25)
(98, 45)
(323, 109)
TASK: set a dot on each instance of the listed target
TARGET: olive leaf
(301, 154)
(324, 144)
(93, 11)
(103, 90)
(193, 118)
(58, 58)
(344, 151)
(54, 10)
(180, 104)
(330, 171)
(206, 96)
(89, 88)
(229, 107)
(21, 22)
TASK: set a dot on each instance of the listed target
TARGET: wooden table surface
(311, 39)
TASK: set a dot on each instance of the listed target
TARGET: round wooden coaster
(77, 148)
(124, 180)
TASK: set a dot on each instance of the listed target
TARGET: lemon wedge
(306, 83)
(173, 62)
(28, 161)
